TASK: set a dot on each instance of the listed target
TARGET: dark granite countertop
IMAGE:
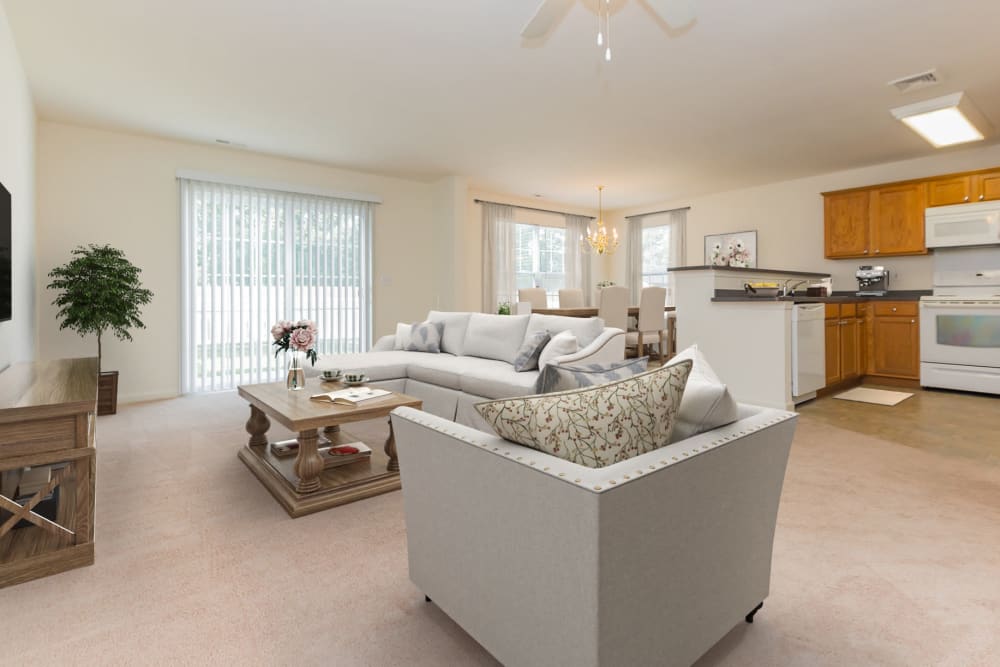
(737, 296)
(737, 269)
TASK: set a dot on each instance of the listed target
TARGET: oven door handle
(946, 304)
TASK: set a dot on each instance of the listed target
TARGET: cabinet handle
(981, 197)
(966, 197)
(866, 251)
(894, 309)
(913, 321)
(876, 251)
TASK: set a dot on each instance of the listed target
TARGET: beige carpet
(885, 555)
(876, 396)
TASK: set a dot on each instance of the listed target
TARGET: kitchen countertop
(738, 296)
(738, 269)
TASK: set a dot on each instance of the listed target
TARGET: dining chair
(535, 296)
(571, 298)
(612, 306)
(652, 321)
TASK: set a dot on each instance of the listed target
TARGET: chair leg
(639, 349)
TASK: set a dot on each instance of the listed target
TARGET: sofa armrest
(606, 348)
(385, 343)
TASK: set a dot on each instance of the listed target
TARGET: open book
(351, 396)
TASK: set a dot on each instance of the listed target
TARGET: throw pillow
(402, 336)
(595, 426)
(527, 356)
(562, 343)
(425, 337)
(707, 402)
(562, 378)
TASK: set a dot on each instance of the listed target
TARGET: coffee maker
(872, 280)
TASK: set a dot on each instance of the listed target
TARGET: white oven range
(960, 322)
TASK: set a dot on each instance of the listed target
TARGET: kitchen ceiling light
(945, 121)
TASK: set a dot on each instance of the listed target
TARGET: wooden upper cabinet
(987, 186)
(948, 191)
(897, 220)
(846, 231)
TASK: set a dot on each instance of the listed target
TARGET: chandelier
(599, 240)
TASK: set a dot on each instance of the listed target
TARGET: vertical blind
(253, 256)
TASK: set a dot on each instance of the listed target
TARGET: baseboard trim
(143, 398)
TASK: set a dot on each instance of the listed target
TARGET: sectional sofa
(476, 362)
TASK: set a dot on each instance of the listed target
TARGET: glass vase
(296, 379)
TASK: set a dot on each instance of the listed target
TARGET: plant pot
(107, 393)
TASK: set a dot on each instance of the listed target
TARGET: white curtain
(633, 259)
(676, 221)
(253, 256)
(577, 264)
(498, 256)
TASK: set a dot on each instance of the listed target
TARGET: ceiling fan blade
(548, 14)
(675, 13)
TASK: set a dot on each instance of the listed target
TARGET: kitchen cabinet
(875, 222)
(895, 340)
(844, 343)
(846, 232)
(897, 220)
(964, 188)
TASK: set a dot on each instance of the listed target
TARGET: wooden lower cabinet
(879, 339)
(844, 343)
(896, 347)
(833, 375)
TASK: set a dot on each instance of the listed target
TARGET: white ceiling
(754, 91)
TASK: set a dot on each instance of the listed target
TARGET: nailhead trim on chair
(726, 434)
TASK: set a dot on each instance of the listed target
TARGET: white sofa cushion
(495, 336)
(707, 403)
(402, 336)
(596, 426)
(388, 365)
(496, 379)
(455, 326)
(586, 329)
(444, 370)
(561, 344)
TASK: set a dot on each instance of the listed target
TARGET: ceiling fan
(675, 13)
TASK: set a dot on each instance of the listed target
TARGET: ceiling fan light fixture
(945, 121)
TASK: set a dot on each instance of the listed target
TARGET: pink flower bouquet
(296, 336)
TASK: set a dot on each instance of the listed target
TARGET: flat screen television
(5, 255)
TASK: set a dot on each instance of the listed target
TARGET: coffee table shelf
(301, 484)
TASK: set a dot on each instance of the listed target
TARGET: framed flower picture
(738, 249)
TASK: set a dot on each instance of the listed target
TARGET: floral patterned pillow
(595, 426)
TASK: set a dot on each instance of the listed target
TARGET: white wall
(98, 186)
(788, 217)
(17, 173)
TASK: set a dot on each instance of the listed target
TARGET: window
(254, 256)
(662, 248)
(540, 259)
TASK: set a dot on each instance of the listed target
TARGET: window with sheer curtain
(662, 248)
(539, 256)
(253, 256)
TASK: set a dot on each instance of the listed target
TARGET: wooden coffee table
(300, 483)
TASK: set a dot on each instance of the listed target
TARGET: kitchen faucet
(786, 291)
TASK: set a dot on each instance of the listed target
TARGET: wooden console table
(47, 418)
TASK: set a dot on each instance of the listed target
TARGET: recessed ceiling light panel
(945, 121)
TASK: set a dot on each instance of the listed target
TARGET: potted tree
(99, 290)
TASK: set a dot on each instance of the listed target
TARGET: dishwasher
(808, 350)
